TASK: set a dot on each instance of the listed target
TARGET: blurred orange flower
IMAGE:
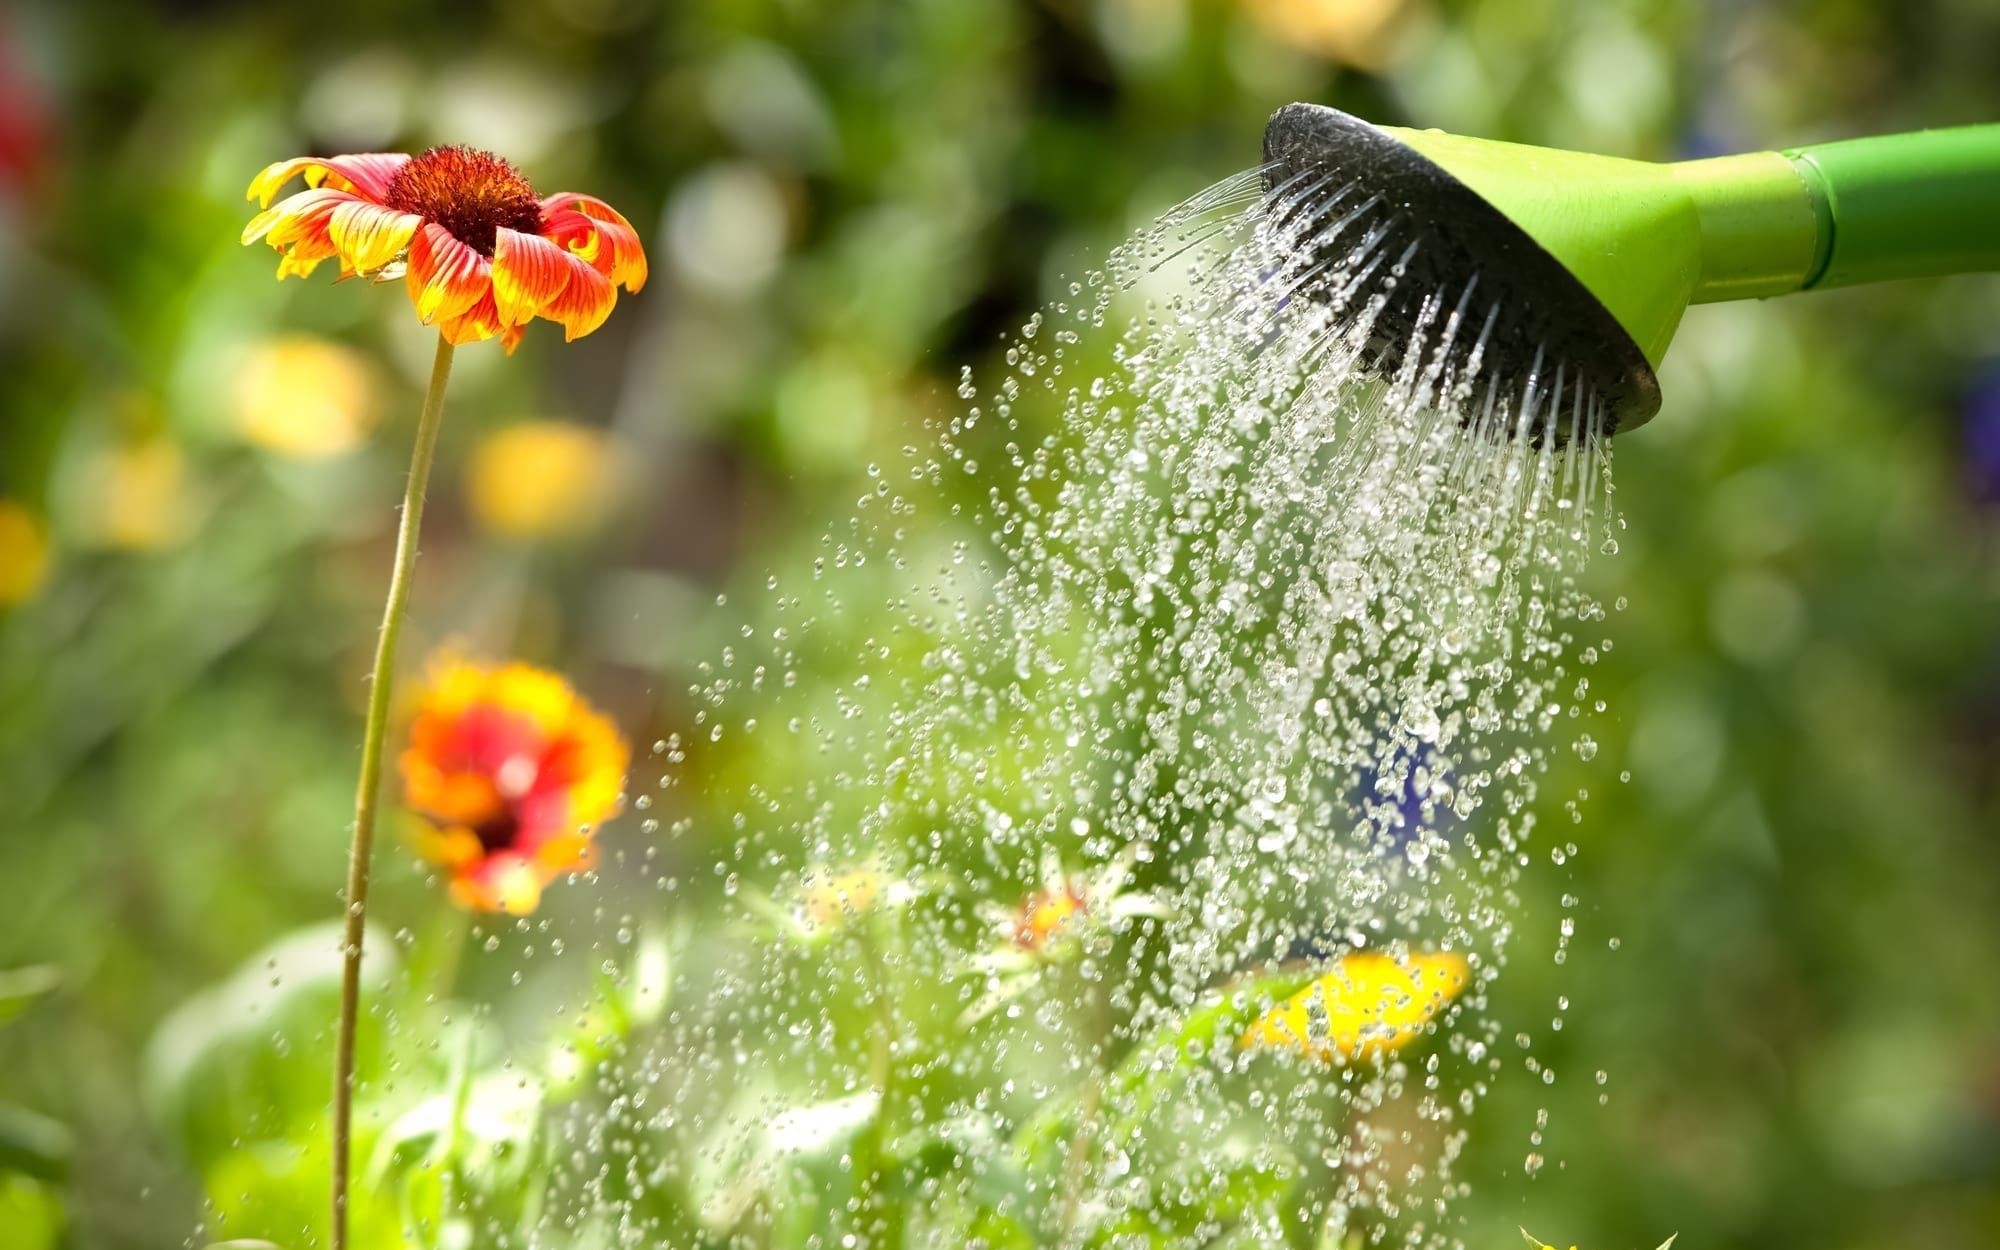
(511, 771)
(481, 254)
(1369, 1004)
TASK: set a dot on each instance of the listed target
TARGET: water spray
(1582, 263)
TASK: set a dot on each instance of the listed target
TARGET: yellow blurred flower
(305, 396)
(827, 901)
(1369, 1004)
(541, 479)
(1361, 33)
(134, 495)
(24, 553)
(831, 898)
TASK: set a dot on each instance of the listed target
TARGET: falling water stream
(1254, 660)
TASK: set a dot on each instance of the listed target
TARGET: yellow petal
(1369, 1004)
(369, 237)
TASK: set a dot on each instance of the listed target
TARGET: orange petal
(475, 325)
(366, 174)
(445, 277)
(529, 273)
(618, 254)
(569, 852)
(588, 205)
(630, 268)
(510, 338)
(586, 300)
(369, 236)
(456, 848)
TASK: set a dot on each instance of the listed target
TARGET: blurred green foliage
(1786, 965)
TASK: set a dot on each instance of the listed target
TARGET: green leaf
(794, 1160)
(30, 1213)
(33, 1145)
(248, 1057)
(21, 986)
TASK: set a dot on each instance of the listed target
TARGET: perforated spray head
(1524, 312)
(1570, 271)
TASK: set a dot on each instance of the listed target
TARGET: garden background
(1787, 958)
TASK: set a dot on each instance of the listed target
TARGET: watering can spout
(1605, 254)
(1646, 239)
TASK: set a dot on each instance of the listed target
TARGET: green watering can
(1585, 264)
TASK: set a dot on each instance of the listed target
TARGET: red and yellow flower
(481, 254)
(511, 771)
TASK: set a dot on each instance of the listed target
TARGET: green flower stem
(1096, 997)
(881, 1215)
(381, 686)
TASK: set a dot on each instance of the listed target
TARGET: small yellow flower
(1371, 1003)
(24, 553)
(1050, 924)
(1045, 918)
(828, 900)
(541, 479)
(833, 898)
(304, 396)
(1047, 923)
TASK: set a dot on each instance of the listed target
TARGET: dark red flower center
(499, 832)
(469, 192)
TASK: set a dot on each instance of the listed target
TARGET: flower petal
(564, 853)
(445, 277)
(306, 213)
(476, 324)
(457, 848)
(299, 228)
(504, 881)
(529, 273)
(369, 236)
(605, 237)
(366, 174)
(586, 300)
